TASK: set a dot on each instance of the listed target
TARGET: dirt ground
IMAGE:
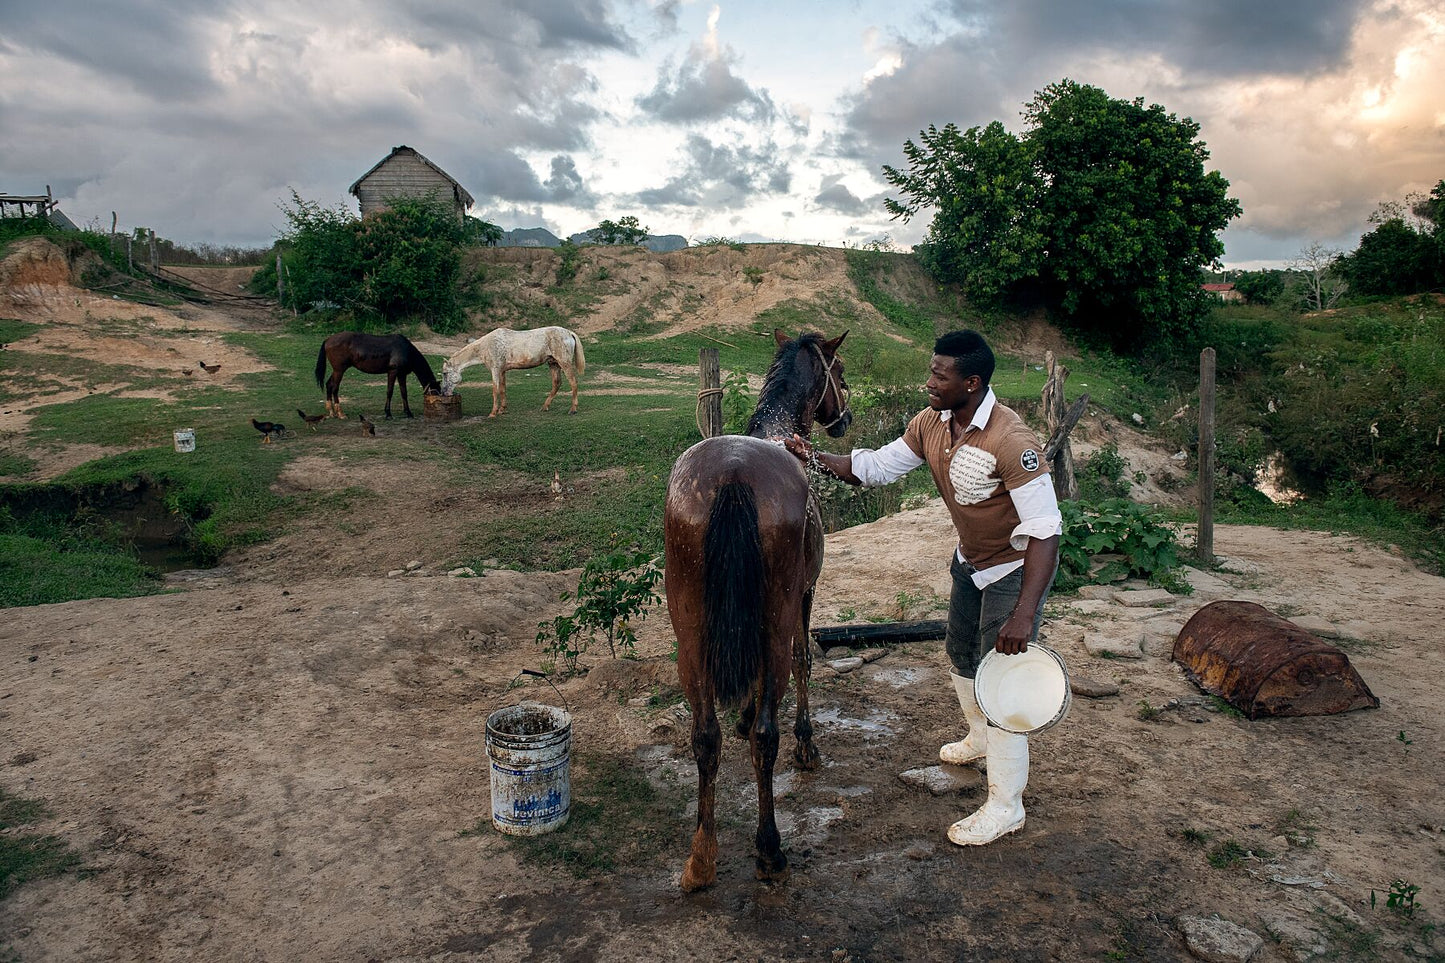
(284, 759)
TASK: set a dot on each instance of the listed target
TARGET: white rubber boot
(975, 744)
(1003, 813)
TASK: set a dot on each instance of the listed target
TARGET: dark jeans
(975, 615)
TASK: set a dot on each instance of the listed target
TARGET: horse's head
(451, 375)
(833, 412)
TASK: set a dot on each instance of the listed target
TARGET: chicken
(267, 429)
(367, 428)
(556, 486)
(209, 368)
(187, 372)
(311, 420)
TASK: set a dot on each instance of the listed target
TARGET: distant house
(1224, 292)
(406, 173)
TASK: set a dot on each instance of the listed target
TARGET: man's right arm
(863, 466)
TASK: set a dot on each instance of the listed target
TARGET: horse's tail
(732, 600)
(321, 366)
(578, 358)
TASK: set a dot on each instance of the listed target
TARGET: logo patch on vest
(1029, 459)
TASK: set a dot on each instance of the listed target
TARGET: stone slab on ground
(1089, 688)
(1296, 937)
(1127, 646)
(1138, 598)
(1104, 593)
(870, 655)
(844, 666)
(941, 780)
(1218, 941)
(1207, 584)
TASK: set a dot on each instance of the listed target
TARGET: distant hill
(656, 243)
(528, 237)
(541, 237)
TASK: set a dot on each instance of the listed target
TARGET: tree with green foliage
(395, 265)
(1105, 202)
(626, 230)
(987, 231)
(482, 232)
(1260, 287)
(1400, 257)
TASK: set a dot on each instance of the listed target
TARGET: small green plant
(1227, 855)
(1147, 712)
(613, 590)
(847, 615)
(753, 274)
(1194, 837)
(737, 402)
(1101, 475)
(1224, 708)
(1148, 548)
(27, 856)
(569, 262)
(1401, 897)
(1404, 741)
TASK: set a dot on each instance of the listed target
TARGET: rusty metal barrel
(1265, 665)
(441, 407)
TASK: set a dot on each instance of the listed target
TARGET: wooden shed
(406, 173)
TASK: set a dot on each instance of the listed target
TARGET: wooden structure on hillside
(13, 205)
(406, 173)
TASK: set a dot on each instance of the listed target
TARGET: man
(990, 470)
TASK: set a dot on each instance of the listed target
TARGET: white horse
(504, 349)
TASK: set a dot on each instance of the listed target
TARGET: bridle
(840, 395)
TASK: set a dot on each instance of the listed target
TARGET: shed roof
(355, 189)
(1218, 287)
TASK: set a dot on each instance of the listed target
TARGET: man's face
(946, 388)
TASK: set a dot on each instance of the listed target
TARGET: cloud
(1315, 112)
(705, 88)
(565, 185)
(722, 176)
(835, 196)
(248, 100)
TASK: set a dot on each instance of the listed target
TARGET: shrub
(613, 590)
(1116, 526)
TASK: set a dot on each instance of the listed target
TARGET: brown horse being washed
(744, 541)
(373, 354)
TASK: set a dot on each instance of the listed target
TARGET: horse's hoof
(773, 870)
(806, 755)
(741, 731)
(694, 880)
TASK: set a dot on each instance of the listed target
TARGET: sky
(742, 119)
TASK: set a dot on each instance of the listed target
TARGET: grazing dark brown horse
(373, 354)
(744, 548)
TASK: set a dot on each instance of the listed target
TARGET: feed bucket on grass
(530, 747)
(185, 439)
(441, 407)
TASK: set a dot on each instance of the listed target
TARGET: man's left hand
(1013, 637)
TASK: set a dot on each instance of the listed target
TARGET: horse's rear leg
(391, 383)
(406, 405)
(572, 380)
(701, 868)
(805, 754)
(333, 395)
(771, 863)
(556, 384)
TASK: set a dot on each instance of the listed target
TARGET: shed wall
(402, 175)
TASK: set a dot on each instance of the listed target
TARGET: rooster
(367, 428)
(209, 368)
(311, 420)
(556, 486)
(267, 429)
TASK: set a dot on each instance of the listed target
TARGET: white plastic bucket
(530, 746)
(185, 439)
(1023, 693)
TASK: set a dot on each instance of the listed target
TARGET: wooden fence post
(1204, 542)
(709, 394)
(1060, 421)
(155, 262)
(280, 283)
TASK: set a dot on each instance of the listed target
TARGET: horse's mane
(780, 392)
(418, 363)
